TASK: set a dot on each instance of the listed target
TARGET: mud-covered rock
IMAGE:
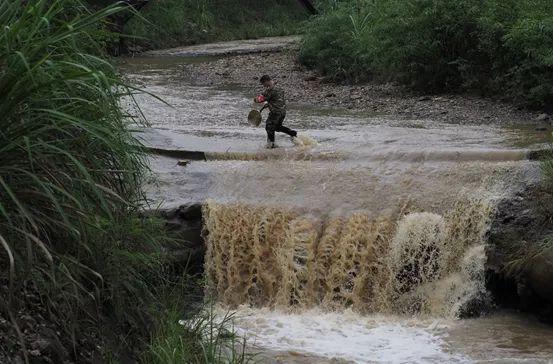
(539, 275)
(517, 275)
(185, 224)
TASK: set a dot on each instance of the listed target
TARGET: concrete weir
(516, 218)
(190, 155)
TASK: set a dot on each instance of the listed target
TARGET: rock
(542, 117)
(521, 223)
(51, 345)
(185, 223)
(135, 49)
(40, 344)
(191, 211)
(539, 276)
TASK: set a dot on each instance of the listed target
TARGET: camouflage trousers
(274, 124)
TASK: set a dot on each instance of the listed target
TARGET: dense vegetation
(80, 269)
(171, 23)
(495, 47)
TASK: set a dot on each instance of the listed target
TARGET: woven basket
(254, 118)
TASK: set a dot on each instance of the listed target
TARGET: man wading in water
(277, 107)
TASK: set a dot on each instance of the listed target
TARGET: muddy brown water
(309, 244)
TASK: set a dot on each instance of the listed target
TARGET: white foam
(347, 336)
(304, 141)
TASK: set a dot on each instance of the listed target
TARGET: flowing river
(364, 242)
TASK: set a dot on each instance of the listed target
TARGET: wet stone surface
(306, 87)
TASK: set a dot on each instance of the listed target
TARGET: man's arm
(265, 96)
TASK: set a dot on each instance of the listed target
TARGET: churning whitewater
(403, 263)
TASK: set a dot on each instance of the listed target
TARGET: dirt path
(235, 47)
(240, 63)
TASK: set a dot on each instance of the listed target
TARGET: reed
(74, 250)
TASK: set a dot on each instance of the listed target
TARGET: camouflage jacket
(275, 97)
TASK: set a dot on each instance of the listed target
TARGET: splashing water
(346, 335)
(304, 141)
(403, 263)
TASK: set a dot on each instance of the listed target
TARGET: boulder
(539, 275)
(185, 223)
(522, 222)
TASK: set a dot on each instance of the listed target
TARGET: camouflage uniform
(277, 107)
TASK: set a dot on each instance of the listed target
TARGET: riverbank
(304, 86)
(171, 23)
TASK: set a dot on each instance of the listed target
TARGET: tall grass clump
(496, 47)
(171, 23)
(205, 338)
(67, 160)
(73, 249)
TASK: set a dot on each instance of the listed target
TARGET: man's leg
(286, 130)
(270, 133)
(270, 127)
(281, 128)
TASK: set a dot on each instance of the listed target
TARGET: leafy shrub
(328, 45)
(495, 47)
(171, 23)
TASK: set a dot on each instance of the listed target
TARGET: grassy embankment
(171, 23)
(82, 274)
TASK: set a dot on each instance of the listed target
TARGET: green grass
(501, 48)
(68, 163)
(75, 251)
(171, 23)
(203, 338)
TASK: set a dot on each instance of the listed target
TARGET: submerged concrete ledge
(298, 154)
(177, 153)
